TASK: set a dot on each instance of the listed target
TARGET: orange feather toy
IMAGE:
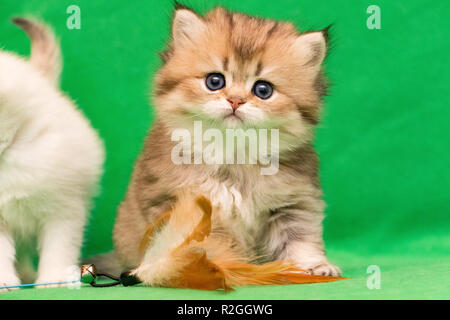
(186, 248)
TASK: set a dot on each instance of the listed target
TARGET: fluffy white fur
(50, 163)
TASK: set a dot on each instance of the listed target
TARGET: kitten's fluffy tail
(45, 50)
(186, 248)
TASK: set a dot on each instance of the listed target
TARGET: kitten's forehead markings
(259, 68)
(225, 64)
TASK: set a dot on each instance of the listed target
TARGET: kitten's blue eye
(215, 81)
(262, 89)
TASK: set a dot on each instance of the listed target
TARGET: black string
(104, 285)
(126, 279)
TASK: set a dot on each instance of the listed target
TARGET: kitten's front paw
(325, 269)
(8, 281)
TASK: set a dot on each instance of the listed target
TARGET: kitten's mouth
(233, 119)
(233, 116)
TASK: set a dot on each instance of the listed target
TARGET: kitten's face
(232, 70)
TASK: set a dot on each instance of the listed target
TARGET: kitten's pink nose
(236, 102)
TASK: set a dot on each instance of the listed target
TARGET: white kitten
(50, 162)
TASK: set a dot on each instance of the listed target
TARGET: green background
(384, 140)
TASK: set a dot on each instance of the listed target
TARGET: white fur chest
(243, 204)
(235, 212)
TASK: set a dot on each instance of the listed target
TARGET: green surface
(402, 277)
(384, 140)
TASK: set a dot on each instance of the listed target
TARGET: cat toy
(88, 275)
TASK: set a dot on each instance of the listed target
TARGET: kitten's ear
(312, 48)
(186, 24)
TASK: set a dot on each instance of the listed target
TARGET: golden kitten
(231, 70)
